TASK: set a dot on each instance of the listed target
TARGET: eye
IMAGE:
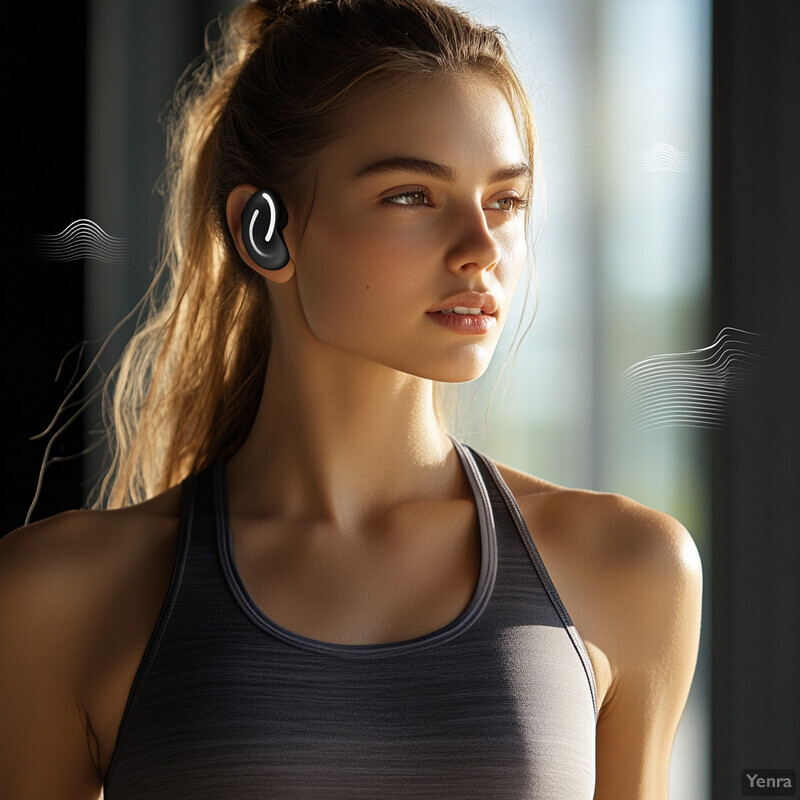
(413, 197)
(509, 204)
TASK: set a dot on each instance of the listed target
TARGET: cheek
(346, 252)
(515, 254)
(348, 279)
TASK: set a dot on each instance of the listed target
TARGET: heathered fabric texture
(498, 704)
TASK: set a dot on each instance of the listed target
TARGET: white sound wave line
(663, 157)
(730, 370)
(81, 239)
(690, 389)
(723, 336)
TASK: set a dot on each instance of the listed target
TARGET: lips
(485, 301)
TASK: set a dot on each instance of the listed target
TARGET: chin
(453, 372)
(463, 378)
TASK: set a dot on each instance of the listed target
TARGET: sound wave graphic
(690, 389)
(82, 239)
(663, 157)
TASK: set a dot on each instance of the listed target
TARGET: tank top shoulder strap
(197, 523)
(504, 507)
(189, 495)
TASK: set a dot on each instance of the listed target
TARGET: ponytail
(187, 387)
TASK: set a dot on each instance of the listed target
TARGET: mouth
(460, 310)
(464, 320)
(470, 303)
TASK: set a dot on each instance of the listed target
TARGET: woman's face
(421, 200)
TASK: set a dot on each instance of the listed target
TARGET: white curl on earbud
(270, 229)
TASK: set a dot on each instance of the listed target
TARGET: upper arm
(44, 749)
(654, 623)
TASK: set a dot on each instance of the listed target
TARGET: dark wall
(84, 84)
(43, 190)
(756, 286)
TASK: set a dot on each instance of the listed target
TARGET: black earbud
(264, 216)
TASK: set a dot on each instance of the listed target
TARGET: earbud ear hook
(264, 216)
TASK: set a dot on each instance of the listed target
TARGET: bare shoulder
(629, 538)
(77, 547)
(630, 577)
(616, 559)
(72, 570)
(79, 594)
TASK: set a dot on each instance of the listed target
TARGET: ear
(233, 210)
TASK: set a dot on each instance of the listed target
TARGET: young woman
(301, 585)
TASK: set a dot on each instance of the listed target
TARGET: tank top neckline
(473, 610)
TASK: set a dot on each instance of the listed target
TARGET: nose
(474, 246)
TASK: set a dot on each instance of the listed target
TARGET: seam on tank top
(555, 599)
(164, 615)
(477, 605)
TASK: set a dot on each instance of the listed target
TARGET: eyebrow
(436, 170)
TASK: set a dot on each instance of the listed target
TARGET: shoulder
(65, 568)
(79, 593)
(631, 578)
(641, 565)
(631, 540)
(69, 572)
(60, 551)
(47, 560)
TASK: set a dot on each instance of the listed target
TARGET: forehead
(463, 121)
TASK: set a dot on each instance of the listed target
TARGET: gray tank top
(500, 703)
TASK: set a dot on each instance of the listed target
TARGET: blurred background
(660, 359)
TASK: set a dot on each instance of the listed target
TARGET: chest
(405, 579)
(377, 663)
(498, 706)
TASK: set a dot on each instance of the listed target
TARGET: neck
(341, 440)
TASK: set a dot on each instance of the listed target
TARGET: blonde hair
(265, 99)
